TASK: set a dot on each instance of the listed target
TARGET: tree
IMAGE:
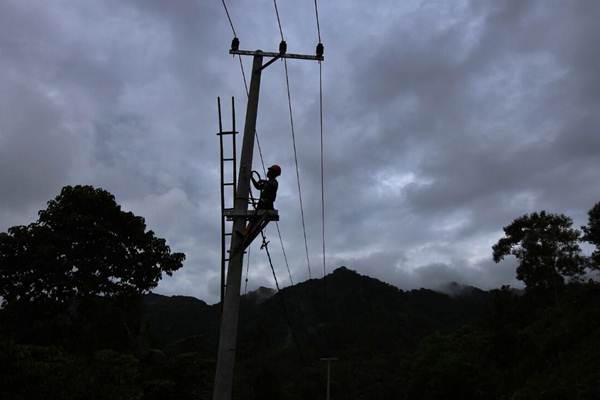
(591, 234)
(82, 244)
(545, 245)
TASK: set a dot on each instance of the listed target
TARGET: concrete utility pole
(231, 305)
(329, 360)
(239, 242)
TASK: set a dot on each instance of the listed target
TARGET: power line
(278, 19)
(262, 161)
(284, 255)
(229, 18)
(322, 163)
(243, 75)
(287, 82)
(318, 26)
(226, 344)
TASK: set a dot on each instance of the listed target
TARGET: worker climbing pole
(241, 236)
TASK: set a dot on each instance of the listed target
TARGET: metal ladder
(231, 162)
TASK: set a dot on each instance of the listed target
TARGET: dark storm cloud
(478, 120)
(443, 122)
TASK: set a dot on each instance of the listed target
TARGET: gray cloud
(443, 122)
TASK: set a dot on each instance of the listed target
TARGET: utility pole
(329, 360)
(231, 303)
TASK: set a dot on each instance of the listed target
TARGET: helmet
(276, 169)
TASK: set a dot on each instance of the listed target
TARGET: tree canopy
(591, 233)
(82, 244)
(546, 246)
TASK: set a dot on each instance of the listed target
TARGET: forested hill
(363, 321)
(342, 312)
(391, 344)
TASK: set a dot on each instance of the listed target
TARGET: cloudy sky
(444, 121)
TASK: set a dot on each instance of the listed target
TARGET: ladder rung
(228, 184)
(228, 234)
(228, 159)
(227, 133)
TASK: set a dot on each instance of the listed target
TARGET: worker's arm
(258, 184)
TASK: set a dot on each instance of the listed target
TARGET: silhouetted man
(268, 188)
(268, 192)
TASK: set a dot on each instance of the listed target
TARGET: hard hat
(276, 169)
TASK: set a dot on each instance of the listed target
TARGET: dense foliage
(547, 249)
(83, 244)
(592, 234)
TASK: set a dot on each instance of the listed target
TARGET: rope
(229, 18)
(278, 20)
(318, 26)
(287, 82)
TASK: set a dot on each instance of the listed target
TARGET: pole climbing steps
(227, 163)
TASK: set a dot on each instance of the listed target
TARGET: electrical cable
(278, 19)
(318, 26)
(287, 82)
(265, 242)
(229, 18)
(262, 161)
(322, 162)
(327, 331)
(294, 142)
(284, 255)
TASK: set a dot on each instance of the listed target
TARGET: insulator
(320, 49)
(235, 44)
(282, 47)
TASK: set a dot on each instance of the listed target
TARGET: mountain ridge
(338, 312)
(263, 292)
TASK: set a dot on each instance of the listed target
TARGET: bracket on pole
(278, 55)
(271, 61)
